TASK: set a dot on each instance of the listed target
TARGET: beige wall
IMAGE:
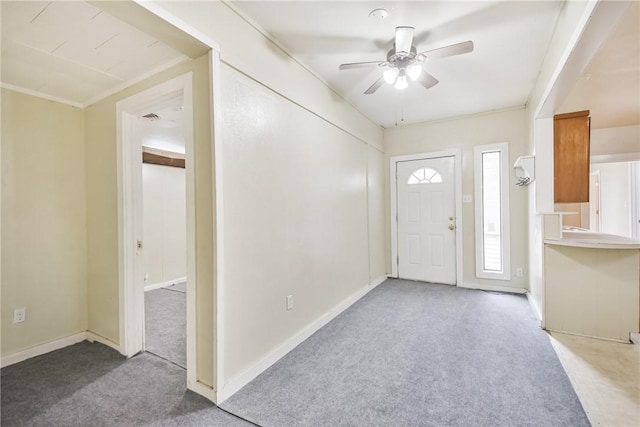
(102, 220)
(164, 223)
(464, 134)
(296, 219)
(43, 221)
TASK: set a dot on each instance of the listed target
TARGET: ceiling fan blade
(374, 87)
(404, 39)
(451, 50)
(361, 64)
(427, 80)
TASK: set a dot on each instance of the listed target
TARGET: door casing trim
(393, 197)
(129, 152)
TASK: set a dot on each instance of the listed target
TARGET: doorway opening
(157, 244)
(164, 229)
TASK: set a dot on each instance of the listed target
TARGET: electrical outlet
(466, 198)
(519, 272)
(289, 302)
(19, 315)
(146, 277)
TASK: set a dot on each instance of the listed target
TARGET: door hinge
(398, 260)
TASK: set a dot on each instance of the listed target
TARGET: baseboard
(38, 350)
(203, 390)
(593, 337)
(379, 280)
(148, 288)
(536, 310)
(92, 337)
(263, 364)
(494, 288)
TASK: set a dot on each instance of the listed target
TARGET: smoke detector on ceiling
(378, 14)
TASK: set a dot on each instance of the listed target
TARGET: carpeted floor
(93, 385)
(407, 354)
(415, 354)
(166, 323)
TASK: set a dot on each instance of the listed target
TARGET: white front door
(426, 220)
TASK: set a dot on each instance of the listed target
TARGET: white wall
(43, 221)
(464, 134)
(295, 208)
(571, 23)
(164, 223)
(247, 50)
(377, 217)
(618, 140)
(295, 192)
(614, 198)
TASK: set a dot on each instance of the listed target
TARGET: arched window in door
(424, 176)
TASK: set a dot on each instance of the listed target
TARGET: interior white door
(426, 220)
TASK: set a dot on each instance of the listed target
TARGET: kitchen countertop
(590, 239)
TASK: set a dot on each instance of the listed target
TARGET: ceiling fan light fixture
(401, 83)
(390, 75)
(414, 71)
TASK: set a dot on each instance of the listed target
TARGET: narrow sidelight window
(492, 211)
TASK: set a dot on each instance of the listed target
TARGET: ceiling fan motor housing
(401, 59)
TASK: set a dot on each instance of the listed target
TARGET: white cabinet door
(426, 220)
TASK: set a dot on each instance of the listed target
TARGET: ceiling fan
(403, 61)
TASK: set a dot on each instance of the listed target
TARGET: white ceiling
(610, 85)
(511, 40)
(166, 133)
(73, 51)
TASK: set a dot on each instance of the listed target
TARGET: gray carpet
(414, 354)
(93, 385)
(166, 324)
(178, 287)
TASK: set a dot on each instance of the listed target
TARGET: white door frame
(634, 200)
(595, 224)
(129, 149)
(457, 162)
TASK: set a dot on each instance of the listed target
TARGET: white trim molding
(92, 337)
(38, 350)
(616, 158)
(41, 95)
(534, 307)
(129, 155)
(154, 286)
(50, 346)
(218, 185)
(393, 161)
(263, 364)
(493, 288)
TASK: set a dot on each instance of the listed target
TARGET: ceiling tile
(67, 49)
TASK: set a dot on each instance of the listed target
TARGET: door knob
(451, 226)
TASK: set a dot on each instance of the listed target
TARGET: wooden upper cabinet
(571, 157)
